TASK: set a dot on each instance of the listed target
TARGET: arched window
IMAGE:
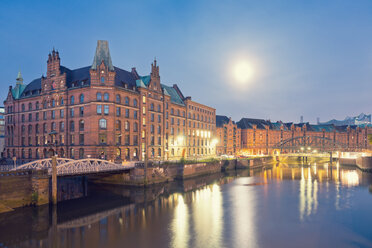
(30, 106)
(62, 101)
(126, 100)
(135, 102)
(37, 105)
(53, 103)
(106, 97)
(99, 96)
(72, 101)
(118, 99)
(102, 80)
(126, 126)
(81, 125)
(37, 153)
(23, 107)
(82, 98)
(23, 153)
(102, 124)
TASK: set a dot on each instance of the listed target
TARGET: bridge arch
(313, 142)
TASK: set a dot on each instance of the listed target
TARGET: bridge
(310, 144)
(71, 167)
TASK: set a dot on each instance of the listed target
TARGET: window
(72, 152)
(82, 98)
(106, 97)
(72, 100)
(118, 125)
(159, 129)
(23, 107)
(152, 129)
(30, 106)
(144, 99)
(99, 109)
(127, 101)
(44, 115)
(102, 124)
(118, 111)
(53, 126)
(37, 105)
(152, 106)
(62, 113)
(81, 125)
(135, 127)
(72, 126)
(106, 109)
(135, 102)
(172, 111)
(159, 118)
(118, 99)
(23, 118)
(152, 117)
(99, 96)
(72, 112)
(126, 126)
(126, 139)
(62, 101)
(102, 138)
(81, 111)
(135, 114)
(29, 117)
(81, 139)
(126, 113)
(62, 126)
(53, 103)
(159, 108)
(102, 80)
(37, 128)
(81, 152)
(53, 114)
(45, 104)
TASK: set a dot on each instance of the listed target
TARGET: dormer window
(102, 80)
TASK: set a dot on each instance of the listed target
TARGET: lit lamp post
(53, 135)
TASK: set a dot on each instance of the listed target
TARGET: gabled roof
(143, 82)
(221, 120)
(175, 97)
(247, 123)
(18, 90)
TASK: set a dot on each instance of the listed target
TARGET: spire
(154, 69)
(102, 55)
(19, 78)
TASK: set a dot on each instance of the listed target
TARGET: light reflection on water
(277, 206)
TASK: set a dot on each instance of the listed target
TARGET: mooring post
(54, 179)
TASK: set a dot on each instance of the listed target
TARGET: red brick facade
(104, 111)
(228, 136)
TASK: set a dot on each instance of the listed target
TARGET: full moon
(242, 72)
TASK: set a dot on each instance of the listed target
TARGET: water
(279, 206)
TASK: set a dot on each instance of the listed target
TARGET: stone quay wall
(23, 188)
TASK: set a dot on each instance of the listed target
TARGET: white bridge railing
(67, 166)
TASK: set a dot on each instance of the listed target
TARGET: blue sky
(310, 58)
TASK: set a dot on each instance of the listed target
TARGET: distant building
(2, 131)
(359, 120)
(228, 135)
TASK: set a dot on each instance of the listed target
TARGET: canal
(283, 205)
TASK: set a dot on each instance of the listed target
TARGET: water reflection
(261, 208)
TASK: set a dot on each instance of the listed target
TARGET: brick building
(228, 136)
(104, 111)
(260, 136)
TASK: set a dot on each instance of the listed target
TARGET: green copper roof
(17, 91)
(143, 82)
(175, 97)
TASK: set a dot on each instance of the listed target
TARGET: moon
(242, 72)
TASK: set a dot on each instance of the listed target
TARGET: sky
(305, 58)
